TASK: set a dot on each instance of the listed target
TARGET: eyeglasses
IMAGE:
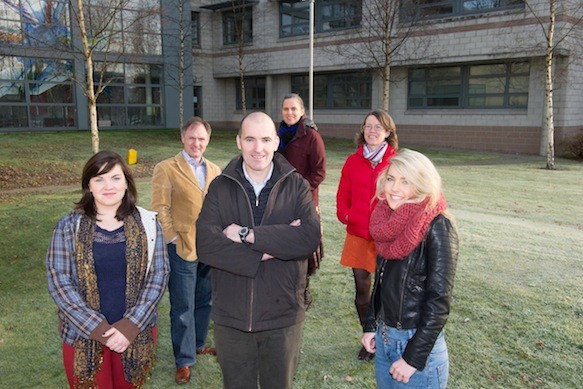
(377, 128)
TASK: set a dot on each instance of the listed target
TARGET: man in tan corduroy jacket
(179, 185)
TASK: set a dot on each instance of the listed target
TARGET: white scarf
(374, 156)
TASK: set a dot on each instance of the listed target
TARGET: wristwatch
(243, 232)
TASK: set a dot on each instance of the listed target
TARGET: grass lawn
(517, 317)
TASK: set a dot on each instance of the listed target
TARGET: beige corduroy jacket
(178, 197)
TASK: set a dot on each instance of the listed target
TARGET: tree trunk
(240, 58)
(90, 87)
(548, 142)
(386, 86)
(387, 59)
(93, 124)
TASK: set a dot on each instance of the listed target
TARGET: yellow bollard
(132, 156)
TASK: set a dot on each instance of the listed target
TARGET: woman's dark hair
(99, 164)
(387, 122)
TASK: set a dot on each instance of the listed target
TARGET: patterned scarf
(374, 156)
(139, 356)
(397, 233)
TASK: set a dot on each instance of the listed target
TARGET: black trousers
(269, 358)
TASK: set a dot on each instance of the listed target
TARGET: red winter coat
(356, 190)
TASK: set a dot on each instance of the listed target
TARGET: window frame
(294, 9)
(130, 79)
(232, 16)
(326, 84)
(409, 11)
(16, 31)
(44, 93)
(423, 76)
(255, 89)
(195, 28)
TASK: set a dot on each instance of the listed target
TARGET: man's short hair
(249, 114)
(194, 121)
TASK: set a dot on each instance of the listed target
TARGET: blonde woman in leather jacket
(417, 243)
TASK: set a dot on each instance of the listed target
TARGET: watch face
(244, 231)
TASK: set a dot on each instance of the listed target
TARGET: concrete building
(470, 74)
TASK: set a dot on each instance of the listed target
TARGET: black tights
(362, 285)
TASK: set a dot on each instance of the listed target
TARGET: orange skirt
(359, 253)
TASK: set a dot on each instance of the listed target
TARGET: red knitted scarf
(397, 233)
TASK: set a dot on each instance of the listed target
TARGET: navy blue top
(259, 203)
(109, 249)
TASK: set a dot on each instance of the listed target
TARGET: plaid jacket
(76, 319)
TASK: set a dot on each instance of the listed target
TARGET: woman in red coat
(377, 143)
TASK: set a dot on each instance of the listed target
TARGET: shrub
(574, 147)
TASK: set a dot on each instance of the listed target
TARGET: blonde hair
(419, 171)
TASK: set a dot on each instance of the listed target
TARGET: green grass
(517, 317)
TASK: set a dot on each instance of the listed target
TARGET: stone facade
(489, 37)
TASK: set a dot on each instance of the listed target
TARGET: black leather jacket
(415, 293)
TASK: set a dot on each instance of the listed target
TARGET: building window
(132, 97)
(337, 90)
(415, 9)
(238, 26)
(498, 85)
(35, 23)
(329, 15)
(195, 28)
(36, 92)
(137, 29)
(254, 93)
(197, 100)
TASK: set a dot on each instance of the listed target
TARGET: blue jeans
(390, 344)
(190, 306)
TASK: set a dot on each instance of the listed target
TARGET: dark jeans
(271, 356)
(190, 306)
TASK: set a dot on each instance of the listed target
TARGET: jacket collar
(235, 169)
(184, 166)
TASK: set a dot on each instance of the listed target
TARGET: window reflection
(43, 85)
(135, 86)
(40, 92)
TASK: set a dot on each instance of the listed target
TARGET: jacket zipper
(399, 324)
(275, 187)
(252, 300)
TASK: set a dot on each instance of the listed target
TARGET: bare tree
(98, 25)
(242, 19)
(549, 121)
(386, 27)
(241, 34)
(548, 26)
